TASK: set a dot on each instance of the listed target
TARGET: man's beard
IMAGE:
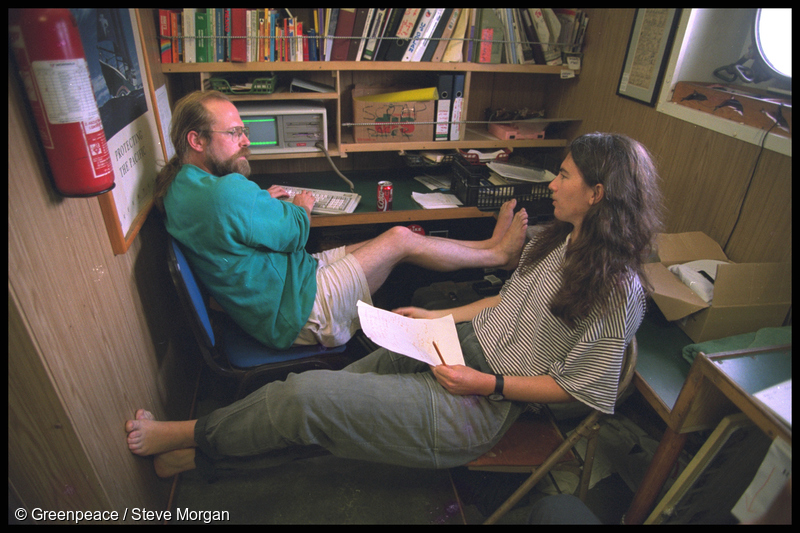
(234, 165)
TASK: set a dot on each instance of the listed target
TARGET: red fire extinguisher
(52, 65)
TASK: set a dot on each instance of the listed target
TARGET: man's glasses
(236, 133)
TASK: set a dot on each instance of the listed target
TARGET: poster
(115, 58)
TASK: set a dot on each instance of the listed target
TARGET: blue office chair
(227, 349)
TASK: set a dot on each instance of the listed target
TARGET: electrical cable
(750, 182)
(327, 155)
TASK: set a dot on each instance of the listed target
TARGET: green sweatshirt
(248, 250)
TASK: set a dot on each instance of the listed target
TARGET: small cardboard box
(401, 118)
(747, 296)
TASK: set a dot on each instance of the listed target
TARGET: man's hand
(276, 191)
(305, 200)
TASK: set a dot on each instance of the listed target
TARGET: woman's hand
(415, 312)
(463, 380)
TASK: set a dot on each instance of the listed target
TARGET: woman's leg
(397, 418)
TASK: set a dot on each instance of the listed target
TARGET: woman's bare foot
(173, 463)
(147, 436)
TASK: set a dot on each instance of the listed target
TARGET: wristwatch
(497, 395)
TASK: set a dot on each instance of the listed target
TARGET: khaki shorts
(340, 284)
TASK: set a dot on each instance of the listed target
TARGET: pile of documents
(504, 174)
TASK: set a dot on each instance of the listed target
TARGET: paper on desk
(435, 200)
(434, 182)
(413, 337)
(773, 474)
(779, 399)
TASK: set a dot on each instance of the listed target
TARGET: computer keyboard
(328, 202)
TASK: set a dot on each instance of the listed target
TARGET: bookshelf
(487, 85)
(344, 74)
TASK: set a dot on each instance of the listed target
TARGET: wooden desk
(714, 387)
(404, 209)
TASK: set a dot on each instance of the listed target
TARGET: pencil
(439, 353)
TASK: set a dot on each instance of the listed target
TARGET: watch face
(495, 397)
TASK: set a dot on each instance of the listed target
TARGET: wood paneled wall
(92, 337)
(705, 174)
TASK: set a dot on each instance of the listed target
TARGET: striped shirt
(521, 337)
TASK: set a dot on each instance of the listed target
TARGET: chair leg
(588, 461)
(582, 431)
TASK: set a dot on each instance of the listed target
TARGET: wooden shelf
(374, 66)
(481, 90)
(472, 139)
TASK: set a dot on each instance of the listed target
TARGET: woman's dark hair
(617, 234)
(190, 115)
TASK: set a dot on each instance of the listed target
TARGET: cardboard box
(401, 118)
(747, 296)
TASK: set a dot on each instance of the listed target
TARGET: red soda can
(385, 195)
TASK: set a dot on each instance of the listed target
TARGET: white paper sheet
(411, 336)
(436, 200)
(772, 476)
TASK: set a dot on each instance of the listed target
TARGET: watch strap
(499, 384)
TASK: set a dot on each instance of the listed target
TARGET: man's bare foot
(173, 463)
(147, 436)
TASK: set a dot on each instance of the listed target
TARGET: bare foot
(173, 463)
(147, 436)
(504, 218)
(514, 240)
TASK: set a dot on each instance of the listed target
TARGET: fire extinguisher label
(67, 93)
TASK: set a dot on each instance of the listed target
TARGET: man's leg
(379, 256)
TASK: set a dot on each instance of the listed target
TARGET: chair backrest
(191, 295)
(628, 367)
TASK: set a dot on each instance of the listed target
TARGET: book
(385, 42)
(165, 31)
(405, 30)
(436, 37)
(375, 32)
(359, 25)
(189, 40)
(238, 31)
(443, 108)
(202, 28)
(450, 27)
(425, 27)
(492, 35)
(454, 53)
(456, 128)
(344, 28)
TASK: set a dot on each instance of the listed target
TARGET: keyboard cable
(327, 155)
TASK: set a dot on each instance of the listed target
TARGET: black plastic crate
(471, 186)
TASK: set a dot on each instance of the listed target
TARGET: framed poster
(122, 83)
(648, 51)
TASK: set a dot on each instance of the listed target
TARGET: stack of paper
(436, 200)
(529, 174)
